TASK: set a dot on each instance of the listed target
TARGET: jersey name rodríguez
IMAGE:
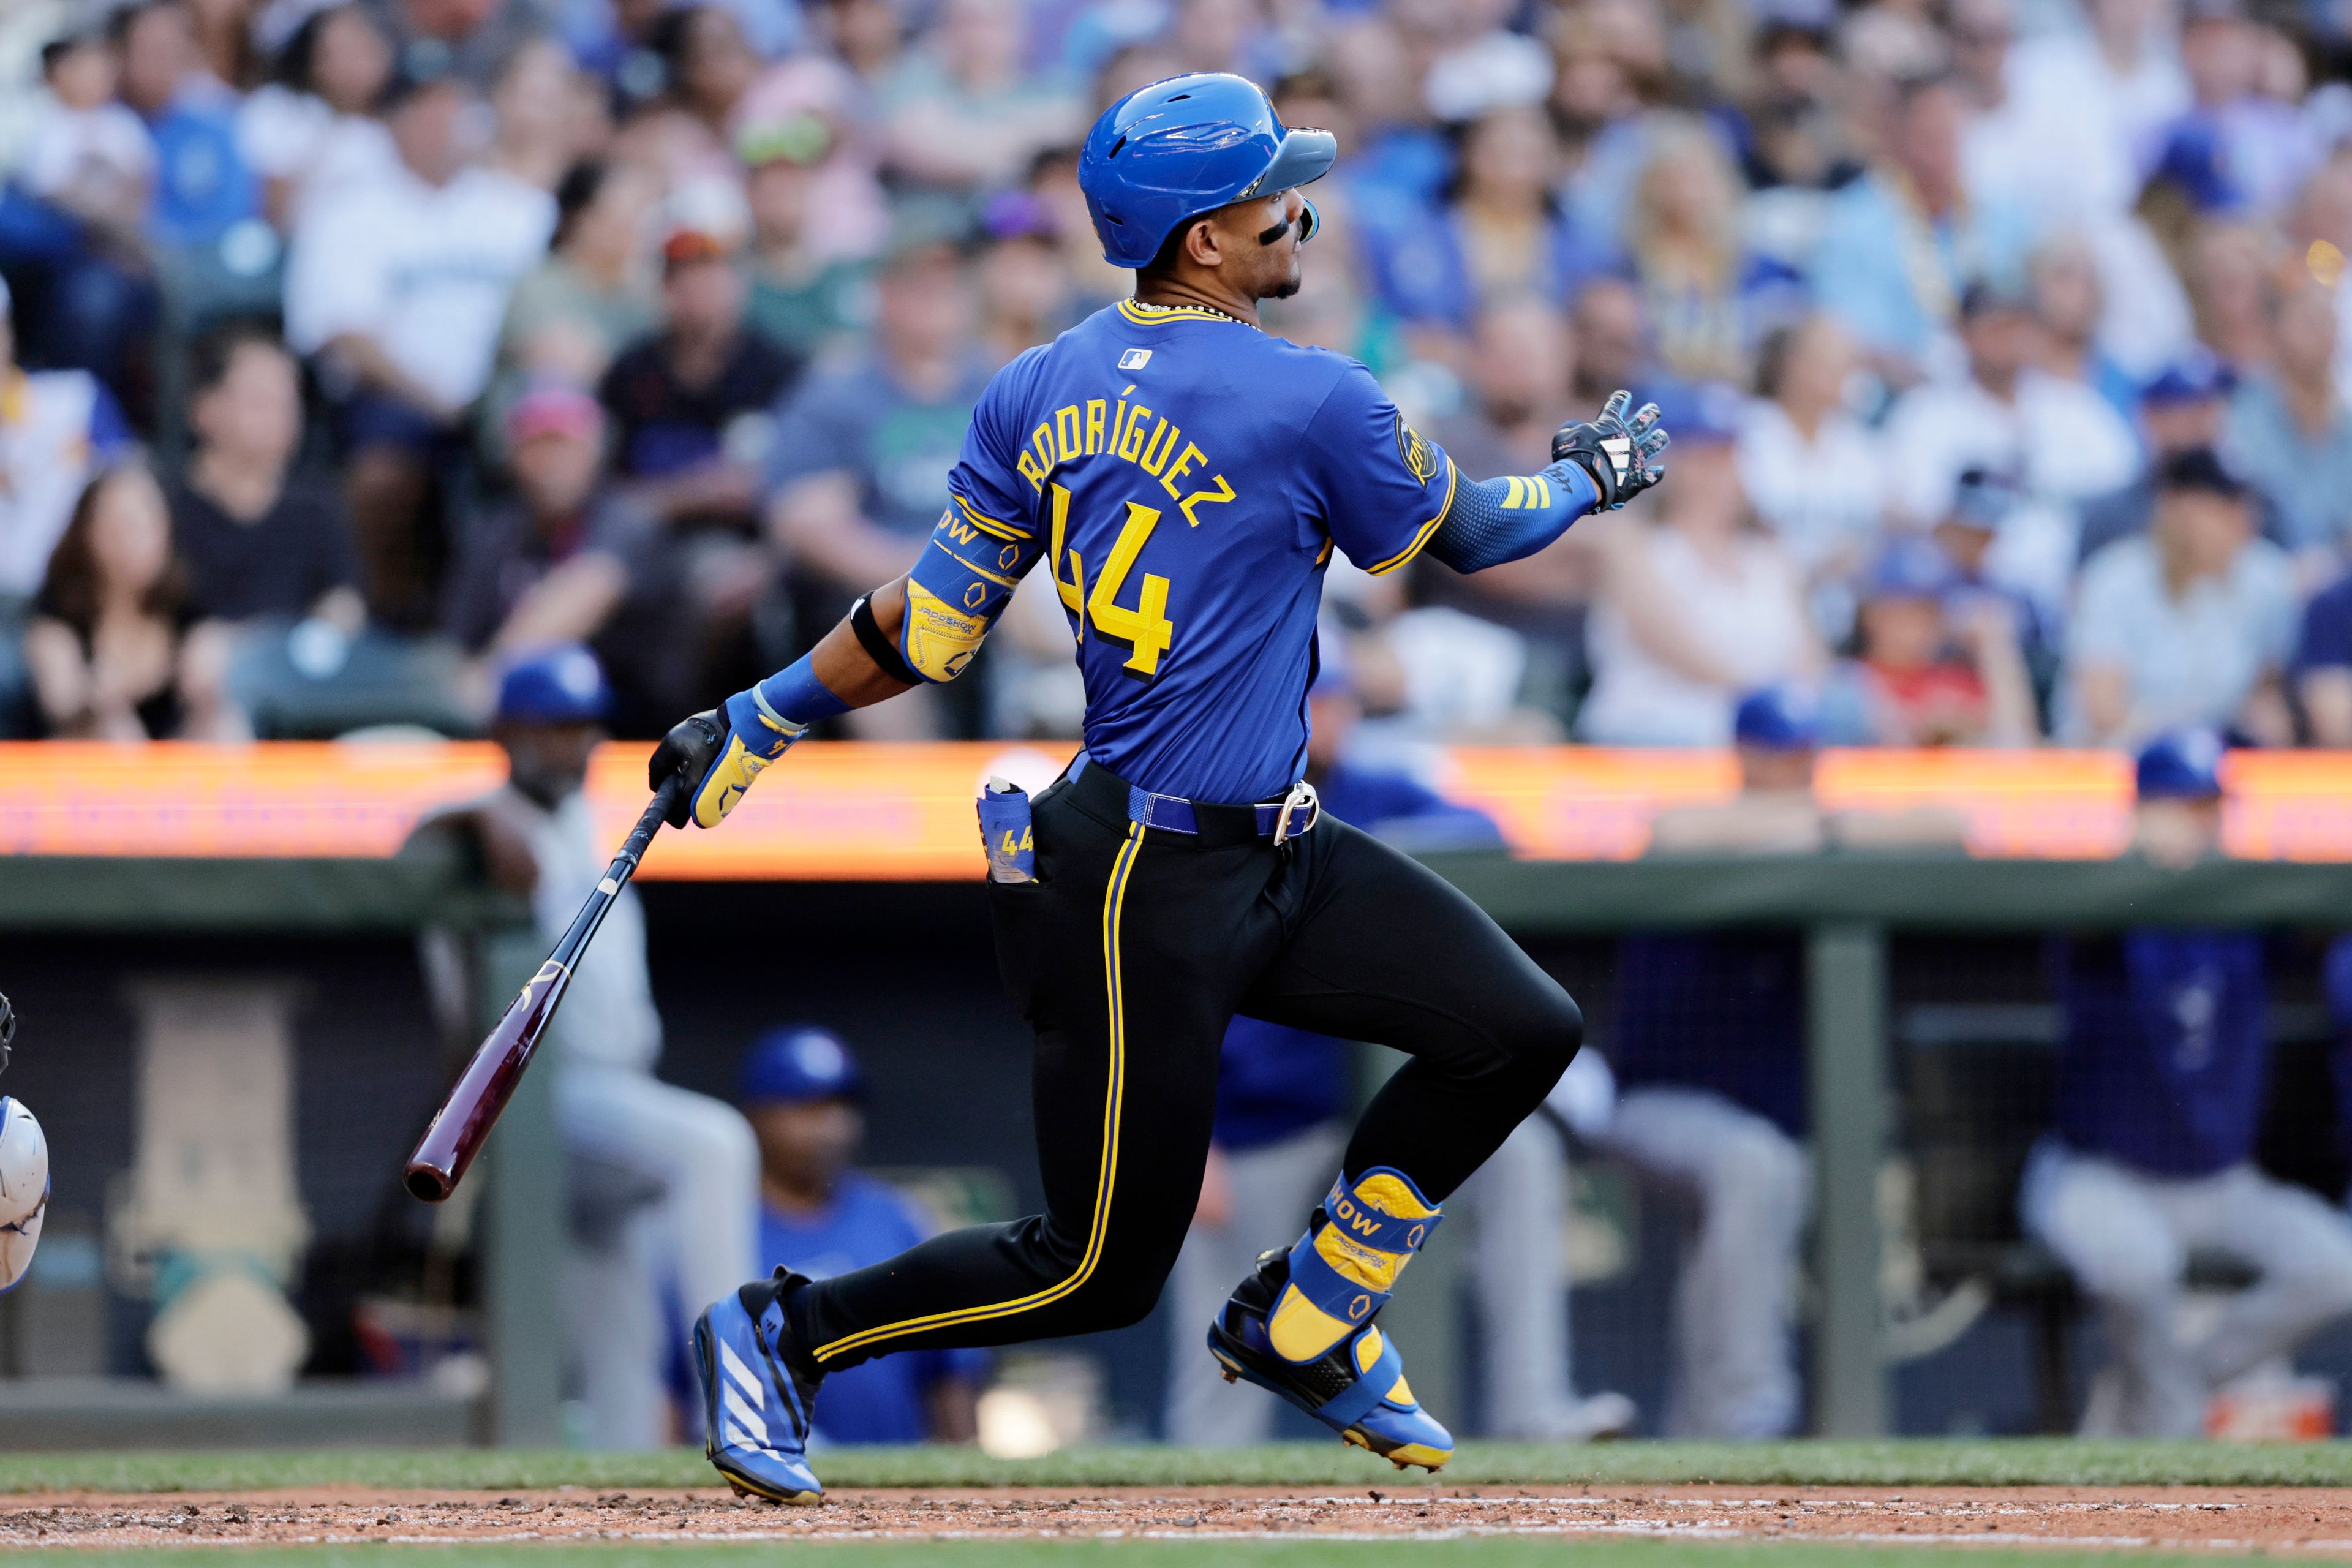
(1184, 479)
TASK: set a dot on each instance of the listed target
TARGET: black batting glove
(693, 744)
(1621, 455)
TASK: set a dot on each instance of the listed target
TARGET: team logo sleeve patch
(1420, 458)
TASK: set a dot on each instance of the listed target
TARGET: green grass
(1911, 1462)
(1489, 1551)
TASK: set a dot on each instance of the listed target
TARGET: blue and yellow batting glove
(721, 750)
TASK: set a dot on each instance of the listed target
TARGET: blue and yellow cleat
(1357, 1388)
(1302, 1325)
(756, 1405)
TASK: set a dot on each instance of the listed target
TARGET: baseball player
(24, 1172)
(1280, 1094)
(1185, 480)
(2160, 1086)
(1710, 1056)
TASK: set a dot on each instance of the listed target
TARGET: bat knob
(429, 1184)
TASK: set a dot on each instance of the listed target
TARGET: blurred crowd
(353, 348)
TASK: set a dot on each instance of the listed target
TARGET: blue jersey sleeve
(1382, 488)
(984, 543)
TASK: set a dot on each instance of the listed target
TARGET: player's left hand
(1621, 454)
(719, 751)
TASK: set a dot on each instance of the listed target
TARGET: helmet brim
(1304, 156)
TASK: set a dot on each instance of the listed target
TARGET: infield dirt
(2309, 1520)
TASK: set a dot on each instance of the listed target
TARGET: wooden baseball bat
(472, 1106)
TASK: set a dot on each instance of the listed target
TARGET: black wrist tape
(877, 643)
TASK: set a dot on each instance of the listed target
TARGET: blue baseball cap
(795, 1065)
(559, 685)
(2196, 377)
(2196, 159)
(1777, 718)
(1982, 499)
(1910, 568)
(2181, 765)
(1698, 412)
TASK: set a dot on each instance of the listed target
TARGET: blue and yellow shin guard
(1302, 1325)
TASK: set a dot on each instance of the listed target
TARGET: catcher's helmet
(1169, 153)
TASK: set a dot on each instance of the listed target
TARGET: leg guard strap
(1373, 1383)
(1366, 1226)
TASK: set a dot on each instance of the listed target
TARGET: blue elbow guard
(1494, 521)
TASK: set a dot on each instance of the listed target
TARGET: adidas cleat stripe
(739, 1377)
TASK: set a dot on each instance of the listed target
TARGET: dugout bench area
(1945, 1084)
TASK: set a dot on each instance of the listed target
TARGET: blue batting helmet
(1167, 152)
(2181, 765)
(557, 685)
(795, 1064)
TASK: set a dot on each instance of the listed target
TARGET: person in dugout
(2161, 1085)
(806, 1098)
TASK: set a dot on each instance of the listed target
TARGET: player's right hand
(720, 752)
(1621, 454)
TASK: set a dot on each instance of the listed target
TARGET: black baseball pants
(1130, 955)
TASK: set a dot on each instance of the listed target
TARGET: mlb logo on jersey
(1135, 359)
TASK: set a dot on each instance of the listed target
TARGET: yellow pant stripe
(1107, 1173)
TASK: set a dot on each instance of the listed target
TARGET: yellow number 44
(1146, 627)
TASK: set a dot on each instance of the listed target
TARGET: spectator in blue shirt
(203, 187)
(1900, 244)
(2181, 410)
(1709, 299)
(1497, 232)
(2323, 666)
(2290, 430)
(2161, 1085)
(2238, 151)
(803, 1093)
(1708, 1047)
(859, 460)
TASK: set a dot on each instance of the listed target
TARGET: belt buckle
(1300, 794)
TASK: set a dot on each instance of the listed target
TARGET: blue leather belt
(1280, 820)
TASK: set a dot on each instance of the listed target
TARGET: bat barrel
(465, 1119)
(472, 1108)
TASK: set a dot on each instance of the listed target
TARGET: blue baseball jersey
(1184, 479)
(1715, 1010)
(879, 1401)
(2165, 1053)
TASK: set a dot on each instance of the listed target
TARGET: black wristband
(877, 643)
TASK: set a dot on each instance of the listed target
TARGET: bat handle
(649, 822)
